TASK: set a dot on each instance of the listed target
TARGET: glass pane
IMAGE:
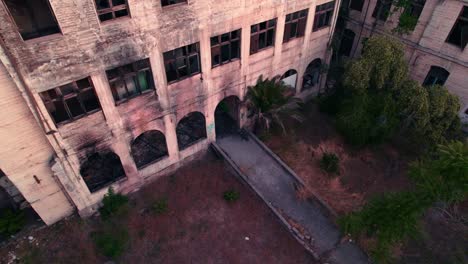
(272, 23)
(263, 25)
(288, 18)
(181, 67)
(142, 64)
(296, 15)
(121, 13)
(171, 73)
(168, 55)
(235, 49)
(58, 112)
(293, 32)
(74, 107)
(214, 40)
(192, 48)
(144, 80)
(225, 53)
(112, 74)
(270, 37)
(89, 100)
(262, 40)
(216, 60)
(303, 13)
(105, 17)
(253, 29)
(131, 86)
(225, 37)
(83, 83)
(67, 89)
(235, 34)
(102, 4)
(118, 90)
(49, 95)
(118, 2)
(127, 69)
(194, 66)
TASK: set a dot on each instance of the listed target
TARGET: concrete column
(280, 24)
(159, 77)
(245, 54)
(171, 137)
(306, 46)
(121, 142)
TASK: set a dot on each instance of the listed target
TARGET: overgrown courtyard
(200, 214)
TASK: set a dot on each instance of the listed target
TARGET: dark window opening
(191, 129)
(227, 116)
(71, 101)
(436, 76)
(101, 169)
(182, 62)
(111, 9)
(130, 80)
(312, 74)
(346, 43)
(323, 15)
(356, 5)
(34, 18)
(382, 9)
(172, 2)
(262, 35)
(225, 48)
(459, 34)
(148, 147)
(289, 78)
(295, 25)
(415, 8)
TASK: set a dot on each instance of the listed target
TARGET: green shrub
(330, 163)
(113, 204)
(231, 195)
(160, 206)
(112, 242)
(11, 222)
(390, 219)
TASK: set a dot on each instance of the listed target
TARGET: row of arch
(311, 76)
(103, 168)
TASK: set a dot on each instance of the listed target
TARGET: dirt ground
(199, 227)
(364, 173)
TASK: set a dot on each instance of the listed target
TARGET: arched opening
(290, 78)
(101, 169)
(191, 129)
(312, 74)
(227, 116)
(436, 76)
(148, 148)
(346, 43)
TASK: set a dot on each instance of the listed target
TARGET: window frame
(300, 21)
(218, 46)
(186, 57)
(34, 38)
(459, 18)
(385, 14)
(77, 92)
(178, 2)
(323, 12)
(112, 9)
(255, 36)
(122, 77)
(436, 72)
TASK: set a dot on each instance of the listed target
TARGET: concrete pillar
(280, 24)
(245, 54)
(171, 137)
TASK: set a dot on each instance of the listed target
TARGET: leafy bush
(231, 195)
(11, 222)
(113, 204)
(330, 163)
(390, 219)
(160, 206)
(112, 242)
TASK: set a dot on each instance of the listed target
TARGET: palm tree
(271, 102)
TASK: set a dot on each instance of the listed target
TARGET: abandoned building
(435, 38)
(100, 93)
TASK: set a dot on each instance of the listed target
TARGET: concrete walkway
(276, 185)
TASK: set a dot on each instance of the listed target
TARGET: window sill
(184, 78)
(263, 49)
(292, 39)
(126, 100)
(319, 29)
(44, 38)
(227, 62)
(111, 21)
(58, 125)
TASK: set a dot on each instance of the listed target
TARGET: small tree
(271, 103)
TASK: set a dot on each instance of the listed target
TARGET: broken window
(312, 74)
(34, 18)
(459, 34)
(289, 78)
(148, 148)
(101, 169)
(71, 101)
(323, 15)
(356, 5)
(346, 43)
(415, 8)
(130, 80)
(111, 9)
(436, 76)
(262, 35)
(225, 48)
(172, 2)
(191, 129)
(295, 25)
(382, 9)
(182, 62)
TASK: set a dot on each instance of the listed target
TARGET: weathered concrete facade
(426, 45)
(87, 47)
